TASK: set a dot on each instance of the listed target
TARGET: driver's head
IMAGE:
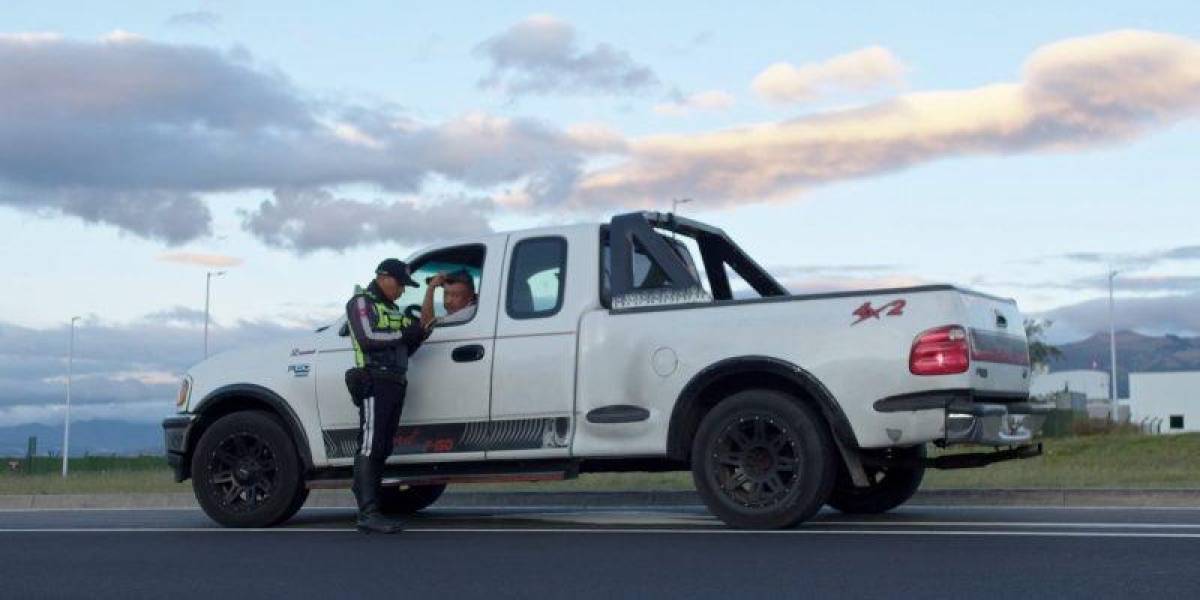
(458, 291)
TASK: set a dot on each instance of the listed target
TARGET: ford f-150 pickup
(649, 343)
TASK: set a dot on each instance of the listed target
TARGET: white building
(1092, 384)
(1172, 398)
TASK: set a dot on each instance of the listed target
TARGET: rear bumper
(175, 440)
(976, 418)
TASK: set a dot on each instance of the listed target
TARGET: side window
(536, 278)
(462, 265)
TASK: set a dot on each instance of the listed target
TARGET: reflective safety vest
(387, 318)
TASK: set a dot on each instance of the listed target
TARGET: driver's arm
(427, 315)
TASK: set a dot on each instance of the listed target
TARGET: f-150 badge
(894, 308)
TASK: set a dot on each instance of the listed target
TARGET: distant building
(1171, 399)
(1092, 384)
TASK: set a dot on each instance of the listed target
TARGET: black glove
(414, 334)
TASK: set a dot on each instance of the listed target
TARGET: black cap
(396, 268)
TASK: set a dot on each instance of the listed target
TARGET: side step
(466, 472)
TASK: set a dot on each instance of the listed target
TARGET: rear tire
(762, 459)
(396, 501)
(246, 473)
(890, 486)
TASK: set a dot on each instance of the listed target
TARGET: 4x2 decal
(894, 308)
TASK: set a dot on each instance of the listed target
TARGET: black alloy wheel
(246, 473)
(763, 459)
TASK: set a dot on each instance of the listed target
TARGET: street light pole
(66, 449)
(208, 277)
(1112, 348)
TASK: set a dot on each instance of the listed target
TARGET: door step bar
(440, 473)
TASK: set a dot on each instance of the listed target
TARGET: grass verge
(1098, 461)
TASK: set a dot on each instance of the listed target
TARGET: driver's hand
(438, 280)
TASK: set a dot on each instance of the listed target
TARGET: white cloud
(1074, 94)
(202, 260)
(857, 71)
(541, 55)
(711, 100)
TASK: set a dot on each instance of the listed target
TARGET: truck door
(445, 414)
(533, 378)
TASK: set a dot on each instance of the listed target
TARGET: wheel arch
(238, 397)
(730, 375)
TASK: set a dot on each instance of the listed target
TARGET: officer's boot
(366, 493)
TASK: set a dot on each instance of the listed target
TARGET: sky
(1022, 149)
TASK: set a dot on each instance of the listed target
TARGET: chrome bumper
(995, 424)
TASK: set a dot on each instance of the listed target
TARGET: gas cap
(664, 361)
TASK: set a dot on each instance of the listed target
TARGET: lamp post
(67, 421)
(208, 277)
(1112, 348)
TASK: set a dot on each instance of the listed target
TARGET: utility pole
(208, 277)
(1112, 348)
(67, 422)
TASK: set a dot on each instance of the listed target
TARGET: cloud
(304, 220)
(1138, 283)
(134, 133)
(130, 133)
(862, 70)
(1176, 314)
(202, 260)
(120, 369)
(787, 271)
(195, 18)
(1074, 94)
(711, 100)
(541, 55)
(1139, 260)
(834, 283)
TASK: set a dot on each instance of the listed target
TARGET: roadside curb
(1159, 498)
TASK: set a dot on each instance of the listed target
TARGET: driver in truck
(458, 298)
(383, 340)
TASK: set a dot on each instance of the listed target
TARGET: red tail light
(940, 351)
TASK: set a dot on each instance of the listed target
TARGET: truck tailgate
(999, 350)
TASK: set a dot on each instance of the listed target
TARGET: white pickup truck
(651, 343)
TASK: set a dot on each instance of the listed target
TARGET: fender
(689, 401)
(263, 395)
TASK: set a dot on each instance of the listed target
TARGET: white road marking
(628, 531)
(1043, 524)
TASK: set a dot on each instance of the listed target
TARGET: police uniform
(383, 340)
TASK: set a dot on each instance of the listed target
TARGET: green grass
(92, 475)
(1097, 461)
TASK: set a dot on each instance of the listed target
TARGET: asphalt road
(558, 552)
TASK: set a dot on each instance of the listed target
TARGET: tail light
(940, 351)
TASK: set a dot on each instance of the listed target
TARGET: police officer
(383, 340)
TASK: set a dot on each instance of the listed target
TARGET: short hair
(463, 277)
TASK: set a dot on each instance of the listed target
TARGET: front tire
(396, 501)
(246, 473)
(890, 486)
(762, 459)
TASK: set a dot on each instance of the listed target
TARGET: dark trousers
(378, 419)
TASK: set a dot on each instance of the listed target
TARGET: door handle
(467, 353)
